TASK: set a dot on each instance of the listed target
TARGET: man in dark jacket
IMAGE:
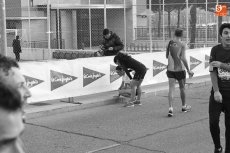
(112, 43)
(17, 48)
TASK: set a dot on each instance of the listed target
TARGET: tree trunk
(159, 23)
(178, 18)
(220, 18)
(169, 23)
(193, 26)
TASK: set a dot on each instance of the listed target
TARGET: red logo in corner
(221, 10)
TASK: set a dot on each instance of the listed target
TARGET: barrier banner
(51, 80)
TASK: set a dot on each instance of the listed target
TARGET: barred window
(11, 24)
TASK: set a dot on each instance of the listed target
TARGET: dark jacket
(16, 46)
(115, 42)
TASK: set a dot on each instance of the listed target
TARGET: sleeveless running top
(174, 58)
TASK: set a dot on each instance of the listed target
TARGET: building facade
(74, 24)
(78, 24)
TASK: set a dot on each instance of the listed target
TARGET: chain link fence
(143, 25)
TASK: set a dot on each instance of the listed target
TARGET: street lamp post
(3, 45)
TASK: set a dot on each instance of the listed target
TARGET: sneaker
(129, 104)
(170, 113)
(218, 150)
(137, 102)
(186, 108)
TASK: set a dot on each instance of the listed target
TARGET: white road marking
(104, 148)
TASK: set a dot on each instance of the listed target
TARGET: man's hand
(110, 48)
(190, 74)
(215, 64)
(101, 47)
(218, 96)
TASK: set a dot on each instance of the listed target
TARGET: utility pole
(3, 45)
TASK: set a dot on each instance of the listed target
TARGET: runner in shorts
(127, 63)
(176, 70)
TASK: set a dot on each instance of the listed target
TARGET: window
(11, 24)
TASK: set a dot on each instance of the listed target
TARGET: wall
(13, 8)
(43, 2)
(69, 78)
(115, 21)
(66, 23)
(129, 26)
(38, 30)
(53, 25)
(32, 54)
(38, 33)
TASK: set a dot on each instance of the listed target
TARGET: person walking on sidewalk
(17, 48)
(219, 100)
(127, 62)
(177, 63)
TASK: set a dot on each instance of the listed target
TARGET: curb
(69, 107)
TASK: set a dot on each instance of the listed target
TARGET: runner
(176, 70)
(219, 100)
(127, 62)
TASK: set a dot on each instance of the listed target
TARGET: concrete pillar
(3, 45)
(74, 28)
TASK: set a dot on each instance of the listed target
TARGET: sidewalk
(53, 107)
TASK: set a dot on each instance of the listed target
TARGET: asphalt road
(115, 129)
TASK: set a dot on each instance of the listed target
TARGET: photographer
(112, 43)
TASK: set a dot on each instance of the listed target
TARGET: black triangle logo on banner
(113, 74)
(206, 64)
(90, 76)
(194, 62)
(59, 79)
(31, 82)
(158, 67)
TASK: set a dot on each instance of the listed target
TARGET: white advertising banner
(69, 78)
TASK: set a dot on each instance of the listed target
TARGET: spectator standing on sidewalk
(11, 121)
(219, 100)
(17, 48)
(112, 43)
(177, 63)
(127, 62)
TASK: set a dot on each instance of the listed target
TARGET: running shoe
(129, 104)
(186, 108)
(219, 150)
(137, 102)
(170, 113)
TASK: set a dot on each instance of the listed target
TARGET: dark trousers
(17, 56)
(215, 109)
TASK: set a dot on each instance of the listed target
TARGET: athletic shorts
(139, 75)
(178, 75)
